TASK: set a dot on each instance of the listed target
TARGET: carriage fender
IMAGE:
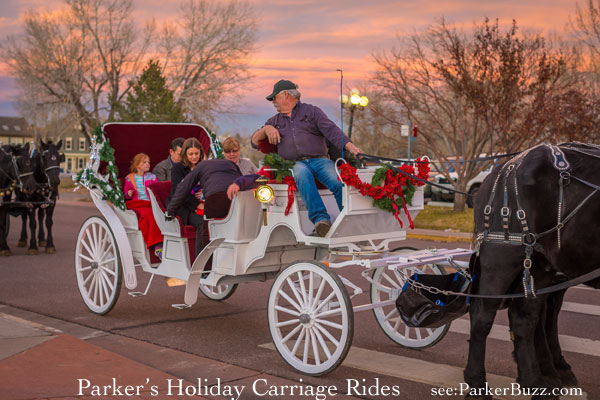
(120, 235)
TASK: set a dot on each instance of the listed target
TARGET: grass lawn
(442, 218)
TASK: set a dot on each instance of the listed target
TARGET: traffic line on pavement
(501, 332)
(581, 308)
(415, 370)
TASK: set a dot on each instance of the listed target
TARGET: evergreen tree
(150, 100)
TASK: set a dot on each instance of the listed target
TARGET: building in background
(15, 130)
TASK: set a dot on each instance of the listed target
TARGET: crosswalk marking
(581, 308)
(412, 369)
(501, 332)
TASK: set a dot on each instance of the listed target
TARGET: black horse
(47, 176)
(536, 219)
(16, 177)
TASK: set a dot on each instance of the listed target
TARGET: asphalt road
(236, 330)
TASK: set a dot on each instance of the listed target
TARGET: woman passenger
(191, 207)
(231, 150)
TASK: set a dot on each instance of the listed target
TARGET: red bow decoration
(392, 186)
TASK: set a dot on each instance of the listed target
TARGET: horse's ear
(59, 144)
(42, 144)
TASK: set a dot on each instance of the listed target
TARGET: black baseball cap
(281, 85)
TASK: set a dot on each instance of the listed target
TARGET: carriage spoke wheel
(310, 318)
(388, 284)
(97, 265)
(219, 292)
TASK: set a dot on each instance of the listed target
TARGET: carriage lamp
(264, 194)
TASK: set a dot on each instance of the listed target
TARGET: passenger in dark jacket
(192, 155)
(219, 180)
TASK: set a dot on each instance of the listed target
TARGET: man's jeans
(305, 173)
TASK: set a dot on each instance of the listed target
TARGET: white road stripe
(567, 343)
(581, 308)
(412, 369)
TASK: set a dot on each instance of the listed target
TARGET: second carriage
(310, 305)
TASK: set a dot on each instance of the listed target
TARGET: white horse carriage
(310, 309)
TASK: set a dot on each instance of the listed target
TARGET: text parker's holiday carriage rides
(310, 311)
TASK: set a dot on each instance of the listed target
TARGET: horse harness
(15, 183)
(527, 238)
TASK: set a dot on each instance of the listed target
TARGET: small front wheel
(310, 318)
(97, 265)
(219, 292)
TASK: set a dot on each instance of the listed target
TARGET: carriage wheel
(97, 265)
(389, 283)
(219, 292)
(310, 318)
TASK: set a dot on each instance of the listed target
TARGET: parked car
(439, 194)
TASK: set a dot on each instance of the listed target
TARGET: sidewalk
(38, 362)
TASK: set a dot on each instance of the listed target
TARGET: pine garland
(108, 184)
(215, 144)
(282, 167)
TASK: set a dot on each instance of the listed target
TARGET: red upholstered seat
(161, 190)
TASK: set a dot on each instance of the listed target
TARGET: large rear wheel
(310, 318)
(97, 265)
(387, 286)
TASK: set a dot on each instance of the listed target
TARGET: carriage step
(181, 306)
(136, 294)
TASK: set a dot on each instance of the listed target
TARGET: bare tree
(485, 92)
(206, 54)
(80, 57)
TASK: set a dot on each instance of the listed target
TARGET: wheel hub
(94, 265)
(305, 319)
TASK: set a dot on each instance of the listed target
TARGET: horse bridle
(18, 176)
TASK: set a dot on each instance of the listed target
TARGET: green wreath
(386, 203)
(215, 144)
(282, 166)
(109, 185)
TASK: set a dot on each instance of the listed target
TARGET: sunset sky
(307, 40)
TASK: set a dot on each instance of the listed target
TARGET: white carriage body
(255, 241)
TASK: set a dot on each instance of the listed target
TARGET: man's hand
(352, 148)
(272, 134)
(198, 195)
(168, 217)
(232, 191)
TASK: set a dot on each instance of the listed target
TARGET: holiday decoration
(215, 145)
(282, 167)
(397, 189)
(108, 184)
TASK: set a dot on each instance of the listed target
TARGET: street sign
(404, 129)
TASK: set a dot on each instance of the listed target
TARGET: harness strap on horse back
(527, 238)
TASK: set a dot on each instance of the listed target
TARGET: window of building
(69, 164)
(81, 144)
(80, 162)
(17, 128)
(5, 127)
(69, 144)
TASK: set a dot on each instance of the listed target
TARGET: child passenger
(137, 199)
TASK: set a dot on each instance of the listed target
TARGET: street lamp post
(355, 101)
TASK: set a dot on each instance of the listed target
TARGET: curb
(440, 238)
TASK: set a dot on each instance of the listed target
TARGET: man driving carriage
(301, 132)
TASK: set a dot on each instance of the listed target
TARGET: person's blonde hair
(231, 143)
(188, 144)
(137, 160)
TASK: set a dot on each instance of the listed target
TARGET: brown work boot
(322, 227)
